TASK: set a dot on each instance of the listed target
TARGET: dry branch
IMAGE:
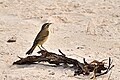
(81, 68)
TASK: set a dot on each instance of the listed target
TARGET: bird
(41, 37)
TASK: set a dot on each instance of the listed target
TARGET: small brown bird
(40, 38)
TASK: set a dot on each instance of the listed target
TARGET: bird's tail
(31, 50)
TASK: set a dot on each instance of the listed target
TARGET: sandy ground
(82, 28)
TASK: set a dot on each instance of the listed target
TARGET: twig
(108, 69)
(109, 75)
(61, 52)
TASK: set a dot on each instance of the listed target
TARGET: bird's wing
(41, 36)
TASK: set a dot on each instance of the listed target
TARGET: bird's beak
(50, 23)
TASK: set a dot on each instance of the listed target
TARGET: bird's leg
(39, 48)
(43, 48)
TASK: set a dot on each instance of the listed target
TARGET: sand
(81, 28)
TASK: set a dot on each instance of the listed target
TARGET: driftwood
(80, 68)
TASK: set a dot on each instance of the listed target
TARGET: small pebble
(13, 39)
(80, 47)
(52, 73)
